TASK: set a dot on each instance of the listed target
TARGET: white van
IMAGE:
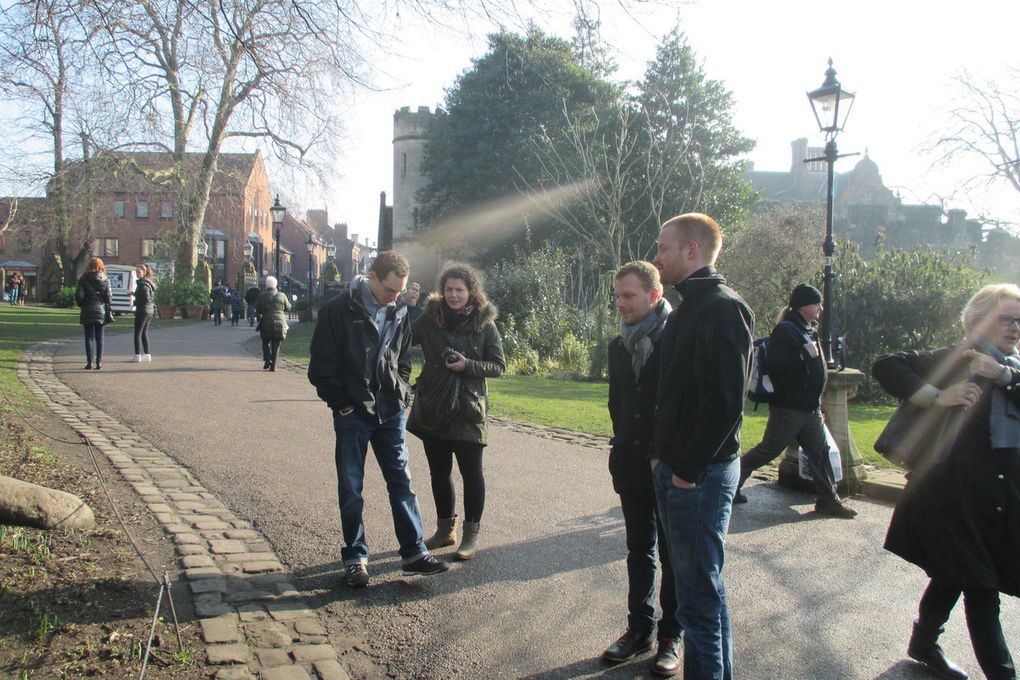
(123, 279)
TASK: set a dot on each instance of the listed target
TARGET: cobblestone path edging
(254, 622)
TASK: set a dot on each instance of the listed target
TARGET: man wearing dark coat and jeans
(633, 380)
(360, 364)
(699, 410)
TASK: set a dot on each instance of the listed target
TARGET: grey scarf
(638, 338)
(1005, 416)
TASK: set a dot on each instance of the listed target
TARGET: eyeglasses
(1005, 320)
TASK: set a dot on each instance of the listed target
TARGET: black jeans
(982, 610)
(784, 426)
(142, 334)
(644, 535)
(94, 342)
(270, 350)
(440, 453)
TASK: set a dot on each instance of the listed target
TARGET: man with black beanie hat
(795, 364)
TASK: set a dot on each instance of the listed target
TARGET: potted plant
(192, 295)
(165, 304)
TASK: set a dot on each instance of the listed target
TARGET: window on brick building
(142, 210)
(148, 248)
(108, 247)
(166, 210)
(118, 209)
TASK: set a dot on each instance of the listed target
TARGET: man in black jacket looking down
(360, 364)
(699, 410)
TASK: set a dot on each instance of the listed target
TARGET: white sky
(897, 55)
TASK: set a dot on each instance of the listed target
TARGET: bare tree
(986, 126)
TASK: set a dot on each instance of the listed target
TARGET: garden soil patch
(80, 604)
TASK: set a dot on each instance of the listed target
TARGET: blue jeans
(353, 434)
(695, 522)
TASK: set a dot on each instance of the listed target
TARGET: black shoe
(924, 649)
(88, 366)
(272, 366)
(98, 366)
(739, 498)
(667, 659)
(425, 566)
(265, 365)
(835, 508)
(629, 644)
(357, 575)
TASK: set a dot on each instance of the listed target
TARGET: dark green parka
(271, 308)
(477, 338)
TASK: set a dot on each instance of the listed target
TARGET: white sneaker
(136, 359)
(147, 357)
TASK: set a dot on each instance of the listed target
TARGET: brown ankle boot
(446, 533)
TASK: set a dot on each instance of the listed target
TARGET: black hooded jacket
(798, 378)
(93, 294)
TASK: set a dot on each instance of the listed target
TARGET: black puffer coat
(145, 299)
(477, 338)
(960, 520)
(93, 295)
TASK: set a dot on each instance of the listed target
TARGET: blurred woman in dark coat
(94, 296)
(457, 332)
(959, 517)
(272, 307)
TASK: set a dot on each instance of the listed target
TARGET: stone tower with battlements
(408, 178)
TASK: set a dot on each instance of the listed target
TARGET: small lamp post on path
(278, 212)
(310, 244)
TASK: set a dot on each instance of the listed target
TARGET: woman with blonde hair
(94, 297)
(959, 516)
(145, 309)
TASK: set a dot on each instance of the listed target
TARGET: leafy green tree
(478, 151)
(695, 145)
(899, 300)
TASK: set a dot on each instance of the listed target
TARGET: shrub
(190, 293)
(165, 291)
(64, 297)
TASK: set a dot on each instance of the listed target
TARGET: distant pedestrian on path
(235, 307)
(360, 365)
(633, 382)
(94, 296)
(145, 309)
(959, 516)
(457, 332)
(21, 289)
(216, 296)
(271, 307)
(250, 297)
(699, 409)
(796, 366)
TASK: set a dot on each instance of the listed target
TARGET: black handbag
(436, 399)
(917, 438)
(109, 315)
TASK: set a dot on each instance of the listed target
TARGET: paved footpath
(237, 465)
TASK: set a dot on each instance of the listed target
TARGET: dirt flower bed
(80, 603)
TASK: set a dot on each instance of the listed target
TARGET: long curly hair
(472, 280)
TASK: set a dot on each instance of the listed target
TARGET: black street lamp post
(310, 244)
(248, 249)
(278, 212)
(831, 104)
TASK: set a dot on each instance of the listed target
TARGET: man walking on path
(699, 409)
(633, 379)
(360, 365)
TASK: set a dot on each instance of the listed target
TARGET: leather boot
(469, 544)
(924, 648)
(446, 533)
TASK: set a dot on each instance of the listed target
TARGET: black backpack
(759, 385)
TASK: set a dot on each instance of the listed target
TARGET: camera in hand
(451, 356)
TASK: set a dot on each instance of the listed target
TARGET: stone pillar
(840, 388)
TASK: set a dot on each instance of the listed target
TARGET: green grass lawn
(581, 406)
(21, 327)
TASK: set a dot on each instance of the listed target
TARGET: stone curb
(254, 622)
